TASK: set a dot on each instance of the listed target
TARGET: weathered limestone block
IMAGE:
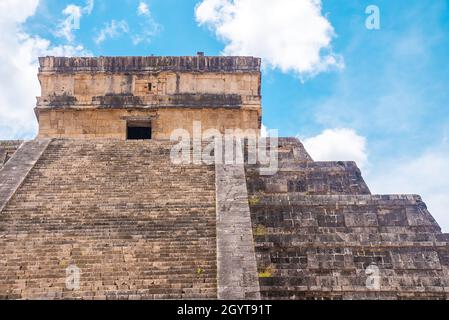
(355, 219)
(415, 258)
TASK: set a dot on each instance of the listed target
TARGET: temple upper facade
(146, 97)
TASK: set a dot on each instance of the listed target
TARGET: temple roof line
(149, 64)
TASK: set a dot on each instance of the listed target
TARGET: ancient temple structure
(94, 208)
(110, 97)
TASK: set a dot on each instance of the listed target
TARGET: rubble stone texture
(138, 226)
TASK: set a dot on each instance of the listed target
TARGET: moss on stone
(254, 201)
(267, 272)
(260, 230)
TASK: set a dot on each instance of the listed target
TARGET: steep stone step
(356, 211)
(311, 178)
(14, 172)
(321, 246)
(7, 149)
(136, 225)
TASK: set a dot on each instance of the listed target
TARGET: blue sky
(380, 97)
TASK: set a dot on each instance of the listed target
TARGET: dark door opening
(138, 131)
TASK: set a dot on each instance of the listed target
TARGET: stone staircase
(136, 225)
(14, 172)
(319, 234)
(7, 149)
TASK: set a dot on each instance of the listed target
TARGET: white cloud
(73, 15)
(338, 145)
(112, 30)
(149, 27)
(70, 23)
(290, 35)
(12, 12)
(426, 175)
(18, 73)
(89, 6)
(143, 9)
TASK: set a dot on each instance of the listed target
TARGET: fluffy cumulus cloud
(73, 14)
(290, 35)
(18, 71)
(426, 175)
(338, 145)
(112, 30)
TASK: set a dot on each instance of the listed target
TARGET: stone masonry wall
(222, 91)
(320, 234)
(112, 123)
